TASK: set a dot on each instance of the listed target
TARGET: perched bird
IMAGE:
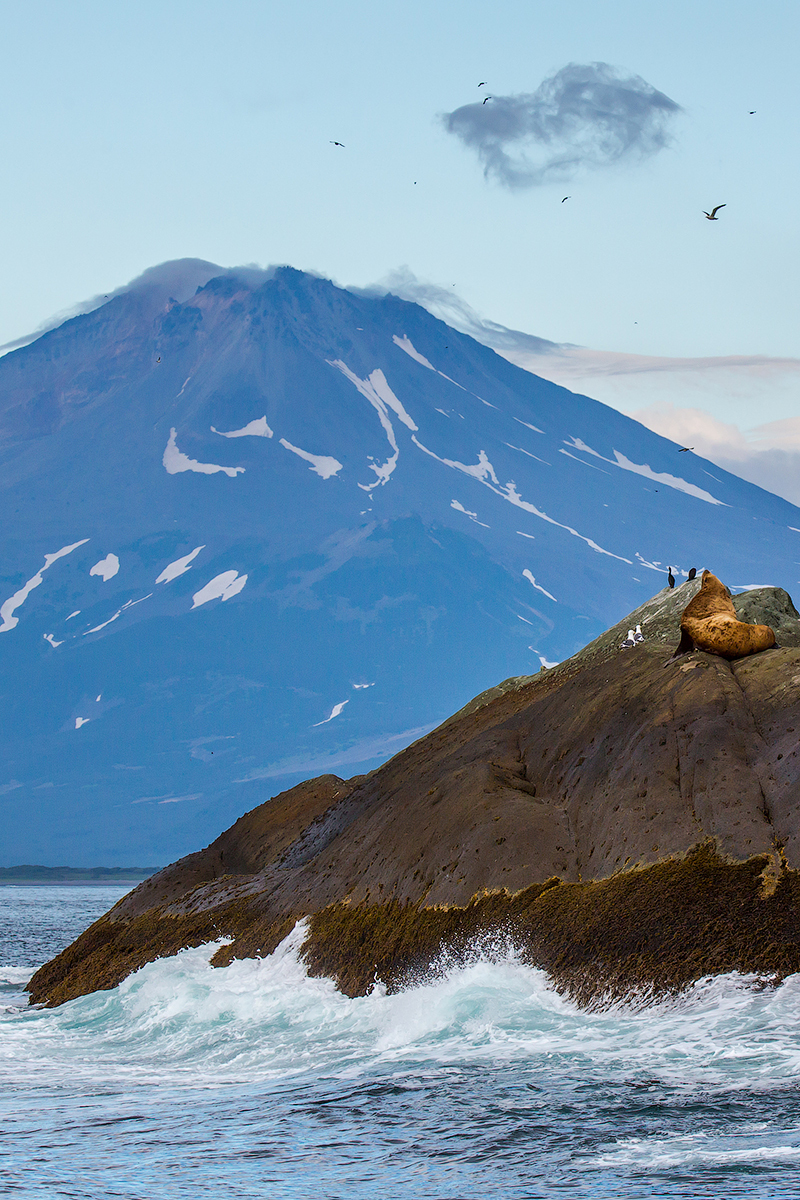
(630, 640)
(344, 148)
(566, 198)
(711, 216)
(693, 572)
(670, 577)
(685, 449)
(638, 636)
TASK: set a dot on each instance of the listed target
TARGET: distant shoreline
(72, 882)
(30, 873)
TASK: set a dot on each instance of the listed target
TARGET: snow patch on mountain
(375, 389)
(256, 428)
(538, 586)
(405, 344)
(221, 587)
(13, 602)
(673, 481)
(472, 516)
(484, 472)
(535, 428)
(49, 637)
(324, 465)
(541, 460)
(118, 613)
(337, 708)
(179, 567)
(107, 568)
(175, 461)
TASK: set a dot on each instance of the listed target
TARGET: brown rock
(602, 776)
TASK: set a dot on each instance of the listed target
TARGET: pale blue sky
(135, 133)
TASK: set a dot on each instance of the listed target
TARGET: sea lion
(709, 623)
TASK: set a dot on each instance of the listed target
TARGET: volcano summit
(259, 527)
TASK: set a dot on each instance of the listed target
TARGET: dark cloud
(586, 116)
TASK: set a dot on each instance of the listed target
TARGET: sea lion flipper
(685, 646)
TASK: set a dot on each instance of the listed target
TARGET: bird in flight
(752, 112)
(482, 84)
(487, 98)
(712, 215)
(684, 449)
(343, 147)
(566, 198)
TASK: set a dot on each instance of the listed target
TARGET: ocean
(480, 1082)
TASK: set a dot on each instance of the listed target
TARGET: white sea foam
(107, 568)
(179, 1019)
(9, 607)
(175, 461)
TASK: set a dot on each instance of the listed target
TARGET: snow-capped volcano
(278, 528)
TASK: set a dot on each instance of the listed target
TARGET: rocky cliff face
(631, 821)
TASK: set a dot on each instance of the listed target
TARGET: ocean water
(256, 1081)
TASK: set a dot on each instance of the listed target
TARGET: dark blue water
(256, 1081)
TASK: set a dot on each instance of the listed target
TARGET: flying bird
(711, 216)
(487, 98)
(344, 147)
(566, 198)
(482, 84)
(753, 112)
(685, 449)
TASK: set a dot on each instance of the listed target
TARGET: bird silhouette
(482, 84)
(753, 112)
(670, 577)
(566, 198)
(487, 98)
(711, 216)
(159, 358)
(685, 449)
(692, 572)
(344, 148)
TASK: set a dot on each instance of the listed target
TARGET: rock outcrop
(632, 824)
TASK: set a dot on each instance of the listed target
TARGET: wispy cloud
(364, 751)
(585, 116)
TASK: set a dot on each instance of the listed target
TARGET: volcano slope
(629, 823)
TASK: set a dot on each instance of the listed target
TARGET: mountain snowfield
(275, 528)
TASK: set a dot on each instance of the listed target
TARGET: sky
(135, 134)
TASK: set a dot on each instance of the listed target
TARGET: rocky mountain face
(631, 821)
(258, 527)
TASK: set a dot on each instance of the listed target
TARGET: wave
(180, 1020)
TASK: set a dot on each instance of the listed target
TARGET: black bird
(684, 449)
(344, 148)
(670, 577)
(710, 216)
(487, 98)
(482, 84)
(752, 112)
(566, 198)
(693, 572)
(159, 358)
